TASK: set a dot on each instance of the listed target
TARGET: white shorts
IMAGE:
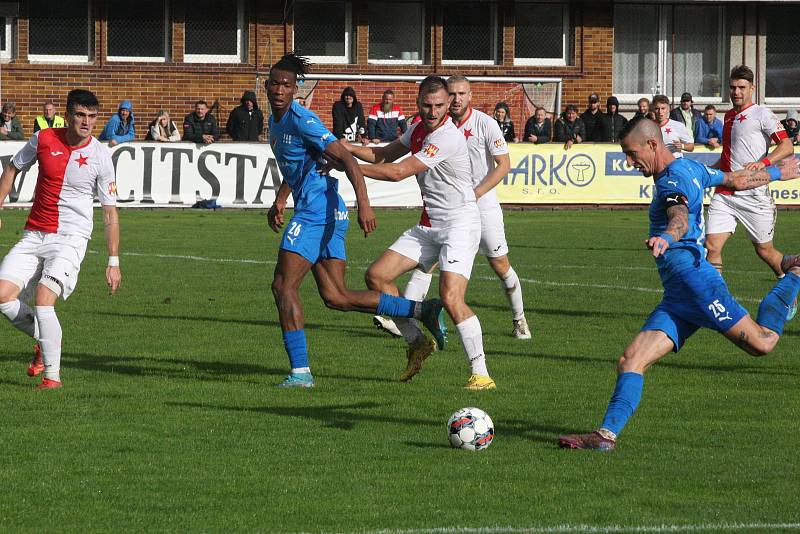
(454, 248)
(39, 255)
(493, 232)
(757, 214)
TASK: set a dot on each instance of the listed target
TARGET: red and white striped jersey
(485, 141)
(672, 131)
(68, 179)
(746, 137)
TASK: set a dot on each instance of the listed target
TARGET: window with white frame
(396, 32)
(647, 63)
(782, 59)
(49, 22)
(5, 37)
(541, 34)
(469, 34)
(214, 31)
(322, 30)
(137, 31)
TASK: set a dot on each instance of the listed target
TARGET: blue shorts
(694, 298)
(316, 240)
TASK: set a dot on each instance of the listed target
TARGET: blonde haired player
(45, 263)
(488, 154)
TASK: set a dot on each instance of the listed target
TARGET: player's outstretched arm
(7, 181)
(677, 226)
(395, 172)
(339, 153)
(378, 154)
(500, 171)
(786, 169)
(111, 222)
(275, 213)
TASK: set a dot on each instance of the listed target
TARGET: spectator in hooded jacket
(792, 125)
(246, 121)
(611, 123)
(10, 127)
(538, 128)
(200, 126)
(503, 117)
(119, 128)
(163, 129)
(348, 117)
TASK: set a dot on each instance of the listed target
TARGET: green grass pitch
(169, 419)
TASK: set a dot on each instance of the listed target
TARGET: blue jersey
(689, 179)
(298, 140)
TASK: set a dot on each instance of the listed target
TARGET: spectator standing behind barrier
(200, 126)
(48, 118)
(10, 128)
(119, 128)
(348, 117)
(591, 119)
(708, 130)
(503, 117)
(569, 128)
(792, 126)
(384, 120)
(611, 123)
(642, 108)
(538, 128)
(686, 112)
(246, 121)
(163, 129)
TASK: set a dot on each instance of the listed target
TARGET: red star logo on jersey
(82, 160)
(667, 130)
(467, 133)
(742, 118)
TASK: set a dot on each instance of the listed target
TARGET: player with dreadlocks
(315, 236)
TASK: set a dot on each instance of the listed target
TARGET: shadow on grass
(368, 331)
(347, 416)
(532, 312)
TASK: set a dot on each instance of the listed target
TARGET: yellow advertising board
(593, 174)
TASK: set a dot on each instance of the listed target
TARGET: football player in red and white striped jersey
(748, 132)
(45, 263)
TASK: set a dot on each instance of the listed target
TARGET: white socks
(20, 316)
(514, 293)
(472, 339)
(416, 290)
(50, 341)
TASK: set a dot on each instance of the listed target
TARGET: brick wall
(175, 86)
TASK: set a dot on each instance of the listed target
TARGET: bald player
(695, 295)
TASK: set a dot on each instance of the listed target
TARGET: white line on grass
(526, 280)
(610, 529)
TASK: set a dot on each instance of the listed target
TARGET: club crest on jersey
(499, 142)
(430, 150)
(112, 188)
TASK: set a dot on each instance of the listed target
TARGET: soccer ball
(471, 429)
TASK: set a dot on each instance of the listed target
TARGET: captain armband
(675, 199)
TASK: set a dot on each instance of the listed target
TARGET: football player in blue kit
(314, 239)
(695, 295)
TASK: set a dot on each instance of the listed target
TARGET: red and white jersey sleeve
(68, 179)
(447, 184)
(484, 141)
(672, 131)
(746, 137)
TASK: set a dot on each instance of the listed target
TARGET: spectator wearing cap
(792, 125)
(570, 128)
(612, 123)
(591, 118)
(708, 130)
(642, 108)
(686, 112)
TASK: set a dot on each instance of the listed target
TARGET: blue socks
(626, 397)
(395, 306)
(773, 309)
(295, 343)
